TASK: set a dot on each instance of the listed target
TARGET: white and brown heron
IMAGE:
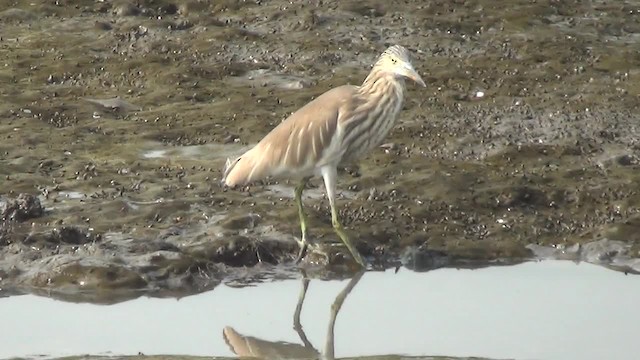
(337, 127)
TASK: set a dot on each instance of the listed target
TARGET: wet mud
(116, 119)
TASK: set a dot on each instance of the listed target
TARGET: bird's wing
(297, 143)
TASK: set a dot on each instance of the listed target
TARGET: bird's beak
(412, 74)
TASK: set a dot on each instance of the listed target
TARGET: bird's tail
(228, 166)
(243, 170)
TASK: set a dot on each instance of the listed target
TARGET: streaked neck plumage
(379, 81)
(381, 87)
(381, 96)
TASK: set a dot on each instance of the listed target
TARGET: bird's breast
(362, 134)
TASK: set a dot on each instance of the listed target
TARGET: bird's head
(395, 60)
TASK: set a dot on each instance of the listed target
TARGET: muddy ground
(526, 135)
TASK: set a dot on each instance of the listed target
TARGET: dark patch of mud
(526, 134)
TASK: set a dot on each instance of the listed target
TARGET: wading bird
(337, 127)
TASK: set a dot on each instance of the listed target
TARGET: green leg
(330, 175)
(303, 220)
(339, 229)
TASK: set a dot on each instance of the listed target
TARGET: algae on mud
(548, 156)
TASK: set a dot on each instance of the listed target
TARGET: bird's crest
(397, 51)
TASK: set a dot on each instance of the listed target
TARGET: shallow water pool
(535, 310)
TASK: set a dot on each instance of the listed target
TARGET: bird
(336, 128)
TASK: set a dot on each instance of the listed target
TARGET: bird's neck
(379, 84)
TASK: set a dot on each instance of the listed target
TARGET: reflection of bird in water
(247, 346)
(339, 126)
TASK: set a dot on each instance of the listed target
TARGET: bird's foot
(326, 249)
(301, 253)
(332, 253)
(347, 242)
(358, 258)
(304, 246)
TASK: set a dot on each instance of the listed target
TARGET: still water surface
(536, 310)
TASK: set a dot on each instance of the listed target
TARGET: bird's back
(299, 144)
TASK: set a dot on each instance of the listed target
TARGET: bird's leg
(303, 219)
(339, 229)
(335, 309)
(297, 325)
(330, 175)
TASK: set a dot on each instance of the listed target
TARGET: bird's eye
(393, 61)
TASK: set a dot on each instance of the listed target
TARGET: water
(212, 151)
(536, 310)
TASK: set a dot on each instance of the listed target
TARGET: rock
(24, 207)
